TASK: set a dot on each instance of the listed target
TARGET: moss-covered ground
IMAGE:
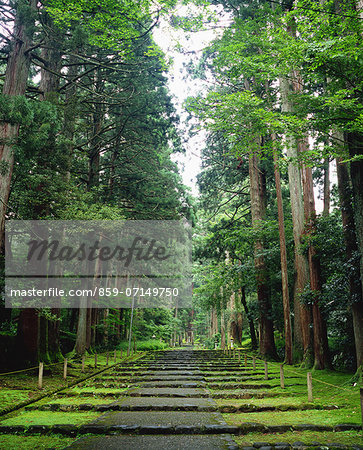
(21, 388)
(16, 389)
(337, 399)
(17, 442)
(50, 418)
(308, 437)
(94, 400)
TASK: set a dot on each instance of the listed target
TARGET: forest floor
(180, 399)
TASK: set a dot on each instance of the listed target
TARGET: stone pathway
(168, 403)
(176, 399)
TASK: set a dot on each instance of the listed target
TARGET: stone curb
(224, 386)
(169, 395)
(300, 445)
(253, 408)
(244, 428)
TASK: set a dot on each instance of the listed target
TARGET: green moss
(323, 437)
(9, 397)
(271, 401)
(330, 417)
(92, 391)
(15, 442)
(50, 418)
(76, 401)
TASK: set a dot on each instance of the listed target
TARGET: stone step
(151, 377)
(211, 379)
(223, 386)
(160, 418)
(192, 442)
(136, 404)
(169, 404)
(157, 378)
(240, 372)
(242, 429)
(178, 384)
(93, 393)
(168, 392)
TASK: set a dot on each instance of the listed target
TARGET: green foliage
(16, 109)
(110, 24)
(334, 298)
(100, 147)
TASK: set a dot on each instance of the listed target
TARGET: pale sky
(182, 87)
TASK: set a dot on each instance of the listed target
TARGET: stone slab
(172, 377)
(157, 418)
(170, 373)
(191, 442)
(167, 392)
(179, 384)
(167, 402)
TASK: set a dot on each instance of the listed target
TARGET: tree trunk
(31, 336)
(355, 146)
(94, 323)
(43, 350)
(96, 143)
(223, 331)
(214, 321)
(232, 319)
(251, 325)
(15, 83)
(284, 276)
(353, 232)
(258, 209)
(27, 337)
(302, 313)
(326, 208)
(81, 339)
(321, 348)
(49, 87)
(89, 325)
(70, 107)
(175, 317)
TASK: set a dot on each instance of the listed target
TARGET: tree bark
(15, 83)
(355, 146)
(249, 318)
(283, 256)
(351, 250)
(326, 208)
(175, 317)
(96, 143)
(81, 339)
(27, 337)
(321, 348)
(258, 209)
(49, 87)
(302, 313)
(223, 331)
